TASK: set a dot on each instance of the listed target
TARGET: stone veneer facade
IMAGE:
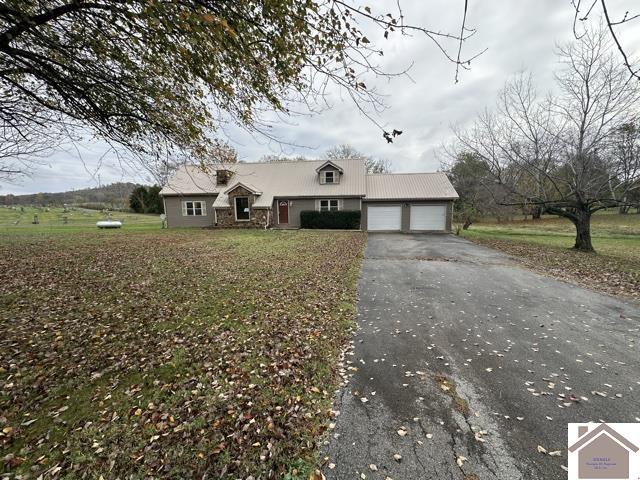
(258, 217)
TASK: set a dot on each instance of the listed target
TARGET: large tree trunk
(536, 213)
(582, 221)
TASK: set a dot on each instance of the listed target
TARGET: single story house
(273, 195)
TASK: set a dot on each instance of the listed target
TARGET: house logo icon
(604, 451)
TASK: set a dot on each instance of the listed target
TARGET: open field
(170, 354)
(53, 219)
(545, 245)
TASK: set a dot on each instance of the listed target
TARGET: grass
(19, 219)
(545, 244)
(170, 353)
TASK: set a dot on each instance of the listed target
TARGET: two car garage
(414, 217)
(418, 202)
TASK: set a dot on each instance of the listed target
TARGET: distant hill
(115, 195)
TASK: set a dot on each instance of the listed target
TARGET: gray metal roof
(274, 179)
(191, 180)
(409, 186)
(299, 179)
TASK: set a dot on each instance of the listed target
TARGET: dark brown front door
(283, 211)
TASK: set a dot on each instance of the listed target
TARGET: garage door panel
(428, 217)
(384, 218)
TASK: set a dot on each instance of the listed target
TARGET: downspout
(164, 205)
(215, 215)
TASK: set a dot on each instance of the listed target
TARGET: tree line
(146, 199)
(570, 152)
(114, 195)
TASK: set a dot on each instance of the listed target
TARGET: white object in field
(109, 224)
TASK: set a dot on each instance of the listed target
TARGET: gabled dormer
(329, 173)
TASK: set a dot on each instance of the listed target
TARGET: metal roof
(409, 186)
(191, 180)
(293, 178)
(298, 178)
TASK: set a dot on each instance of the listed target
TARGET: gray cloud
(518, 35)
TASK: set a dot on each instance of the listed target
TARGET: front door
(283, 211)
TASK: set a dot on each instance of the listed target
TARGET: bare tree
(624, 150)
(585, 9)
(345, 151)
(272, 158)
(24, 143)
(473, 182)
(553, 152)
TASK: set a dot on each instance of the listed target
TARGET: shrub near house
(347, 219)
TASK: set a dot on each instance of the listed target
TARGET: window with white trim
(242, 208)
(194, 209)
(329, 205)
(329, 176)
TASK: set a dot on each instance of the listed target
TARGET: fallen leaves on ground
(591, 270)
(171, 354)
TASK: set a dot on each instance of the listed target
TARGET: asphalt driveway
(465, 363)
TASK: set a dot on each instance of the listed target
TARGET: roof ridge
(404, 173)
(257, 162)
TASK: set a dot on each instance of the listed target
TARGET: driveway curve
(464, 363)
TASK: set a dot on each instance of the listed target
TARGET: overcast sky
(517, 35)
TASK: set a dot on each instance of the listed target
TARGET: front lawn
(172, 354)
(545, 245)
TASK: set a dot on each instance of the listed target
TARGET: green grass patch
(170, 353)
(546, 245)
(18, 220)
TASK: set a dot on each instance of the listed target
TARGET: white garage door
(387, 217)
(428, 217)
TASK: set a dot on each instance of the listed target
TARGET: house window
(242, 208)
(329, 176)
(328, 205)
(194, 209)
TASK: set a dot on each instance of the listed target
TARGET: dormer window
(329, 172)
(329, 176)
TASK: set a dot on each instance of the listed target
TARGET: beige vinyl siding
(176, 214)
